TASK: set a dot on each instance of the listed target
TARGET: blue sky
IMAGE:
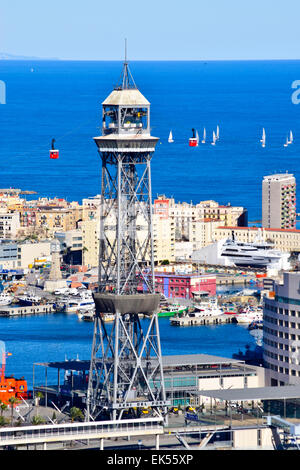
(156, 29)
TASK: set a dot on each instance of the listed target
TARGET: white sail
(218, 133)
(286, 142)
(204, 136)
(170, 139)
(197, 137)
(291, 138)
(263, 135)
(214, 139)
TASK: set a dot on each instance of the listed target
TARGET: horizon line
(42, 59)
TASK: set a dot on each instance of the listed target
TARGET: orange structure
(9, 386)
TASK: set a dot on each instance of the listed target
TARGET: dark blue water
(63, 100)
(54, 337)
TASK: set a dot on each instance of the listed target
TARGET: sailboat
(218, 133)
(263, 139)
(214, 139)
(290, 141)
(286, 142)
(170, 139)
(204, 136)
(197, 137)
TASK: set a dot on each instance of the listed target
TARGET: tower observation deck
(126, 365)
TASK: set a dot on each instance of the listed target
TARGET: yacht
(5, 299)
(258, 254)
(250, 315)
(29, 299)
(74, 305)
(204, 136)
(218, 133)
(204, 310)
(290, 141)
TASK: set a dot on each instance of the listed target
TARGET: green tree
(3, 421)
(37, 419)
(3, 407)
(76, 414)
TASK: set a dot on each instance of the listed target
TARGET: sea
(62, 100)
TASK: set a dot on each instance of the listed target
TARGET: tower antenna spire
(127, 81)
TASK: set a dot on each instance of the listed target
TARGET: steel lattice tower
(126, 362)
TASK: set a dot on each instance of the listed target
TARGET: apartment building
(279, 201)
(9, 224)
(90, 230)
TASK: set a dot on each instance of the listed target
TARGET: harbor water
(57, 336)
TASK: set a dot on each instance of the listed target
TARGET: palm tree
(39, 396)
(12, 401)
(76, 414)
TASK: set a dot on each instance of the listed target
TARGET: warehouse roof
(174, 360)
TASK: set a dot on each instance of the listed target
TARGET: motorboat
(171, 310)
(108, 317)
(29, 299)
(5, 298)
(86, 315)
(204, 310)
(73, 305)
(250, 315)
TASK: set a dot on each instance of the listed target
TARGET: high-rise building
(279, 201)
(281, 333)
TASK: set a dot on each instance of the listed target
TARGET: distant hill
(4, 56)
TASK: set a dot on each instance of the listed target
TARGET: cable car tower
(126, 361)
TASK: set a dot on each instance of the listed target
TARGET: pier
(26, 310)
(196, 321)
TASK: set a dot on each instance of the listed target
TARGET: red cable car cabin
(54, 154)
(193, 141)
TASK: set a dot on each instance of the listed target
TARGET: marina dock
(27, 310)
(196, 321)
